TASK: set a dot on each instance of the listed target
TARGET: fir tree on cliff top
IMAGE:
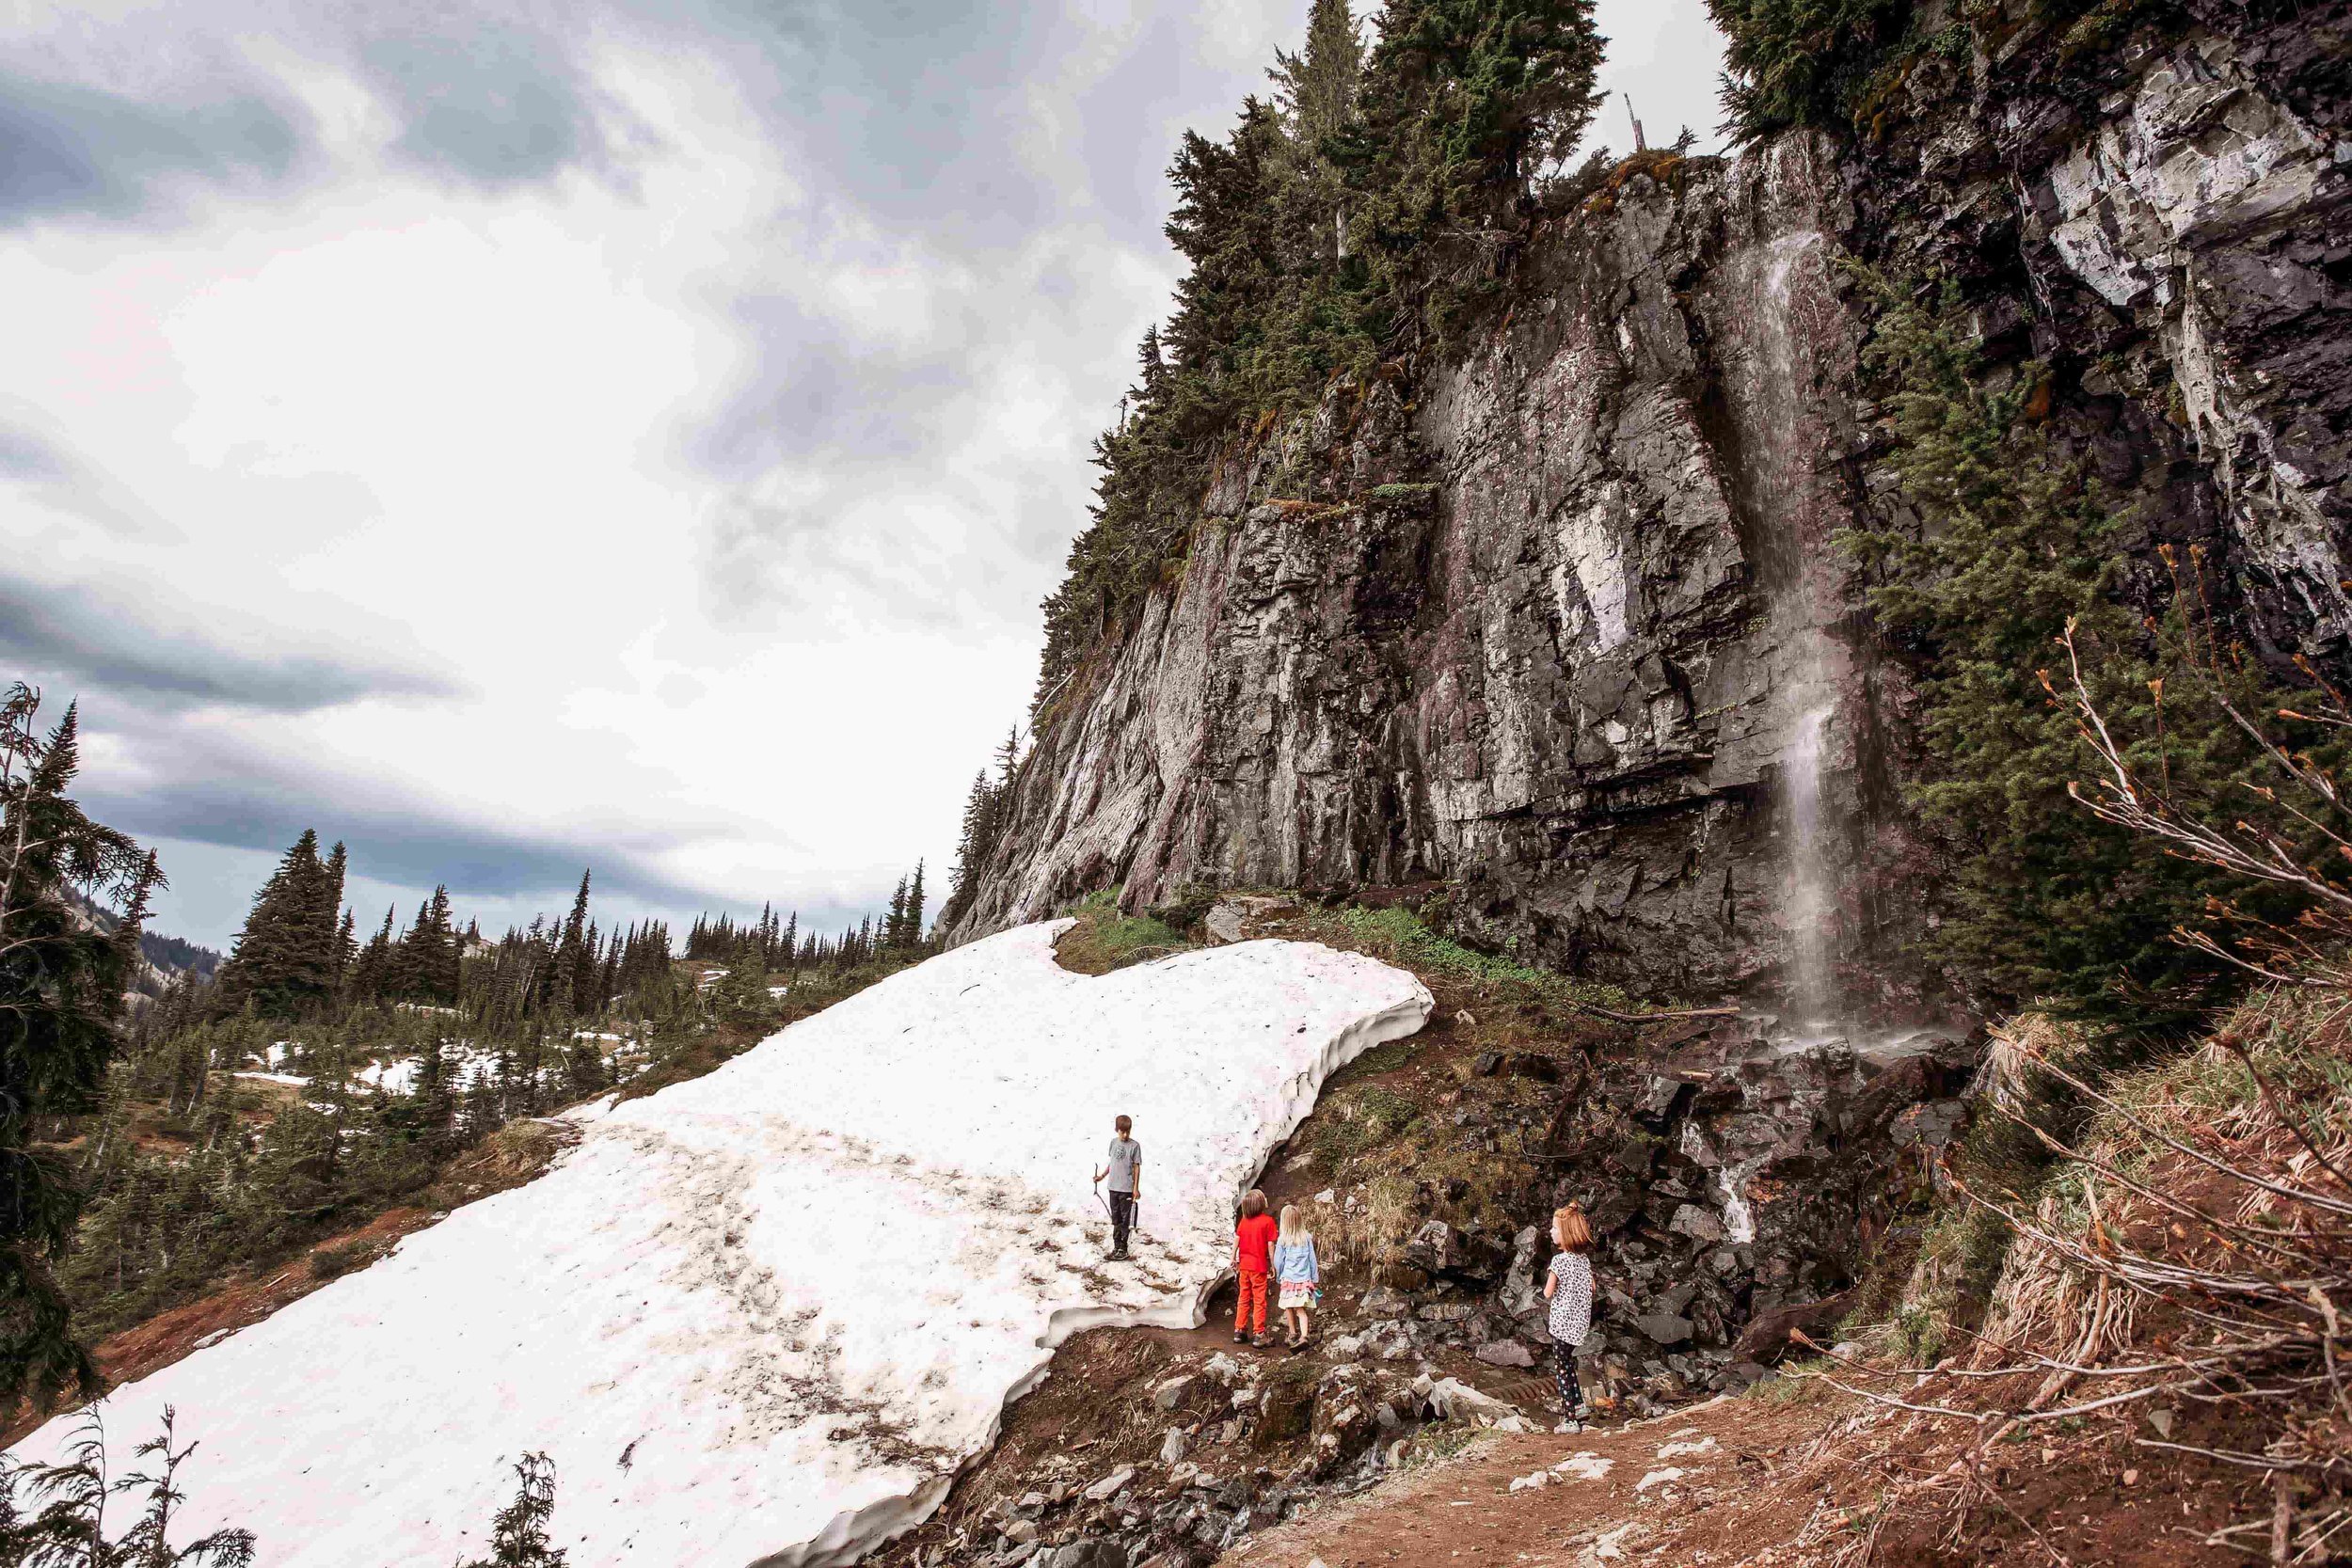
(1330, 229)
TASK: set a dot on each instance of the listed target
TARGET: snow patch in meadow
(761, 1318)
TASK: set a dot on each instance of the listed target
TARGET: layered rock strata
(1552, 622)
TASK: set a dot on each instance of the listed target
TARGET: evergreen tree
(914, 909)
(322, 926)
(518, 1536)
(573, 968)
(283, 959)
(1317, 85)
(895, 923)
(61, 984)
(371, 971)
(346, 950)
(1316, 94)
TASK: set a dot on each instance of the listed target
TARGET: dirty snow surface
(759, 1317)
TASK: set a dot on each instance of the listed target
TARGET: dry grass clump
(2182, 1280)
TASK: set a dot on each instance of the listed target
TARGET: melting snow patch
(1584, 1466)
(1521, 1483)
(1609, 1546)
(803, 1286)
(287, 1079)
(1684, 1450)
(1656, 1477)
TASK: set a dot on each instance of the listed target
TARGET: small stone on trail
(1111, 1485)
(1168, 1395)
(1521, 1483)
(1172, 1446)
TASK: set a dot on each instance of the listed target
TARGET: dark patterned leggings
(1564, 1378)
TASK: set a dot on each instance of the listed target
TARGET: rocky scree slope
(1734, 1192)
(1555, 620)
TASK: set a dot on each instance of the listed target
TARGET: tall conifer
(61, 983)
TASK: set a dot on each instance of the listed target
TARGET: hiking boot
(1118, 1255)
(1260, 1341)
(1239, 1338)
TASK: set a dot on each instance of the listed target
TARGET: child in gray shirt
(1125, 1170)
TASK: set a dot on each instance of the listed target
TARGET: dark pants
(1122, 1219)
(1564, 1378)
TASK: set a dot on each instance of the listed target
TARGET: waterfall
(1807, 700)
(1810, 900)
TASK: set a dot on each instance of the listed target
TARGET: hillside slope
(762, 1316)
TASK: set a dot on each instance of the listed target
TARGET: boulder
(1289, 1410)
(1664, 1329)
(1767, 1336)
(1432, 1246)
(1505, 1353)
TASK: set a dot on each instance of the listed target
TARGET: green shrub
(335, 1261)
(2015, 546)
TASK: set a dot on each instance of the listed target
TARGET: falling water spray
(1808, 698)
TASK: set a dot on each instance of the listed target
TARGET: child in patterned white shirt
(1568, 1286)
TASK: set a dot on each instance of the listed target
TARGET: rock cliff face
(1560, 622)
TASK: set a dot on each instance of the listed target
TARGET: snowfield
(759, 1319)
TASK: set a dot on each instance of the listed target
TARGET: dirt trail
(1740, 1480)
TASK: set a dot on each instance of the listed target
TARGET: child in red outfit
(1253, 1248)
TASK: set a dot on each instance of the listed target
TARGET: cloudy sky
(515, 437)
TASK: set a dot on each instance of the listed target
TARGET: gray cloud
(27, 455)
(492, 104)
(67, 149)
(909, 107)
(405, 842)
(67, 633)
(205, 785)
(820, 390)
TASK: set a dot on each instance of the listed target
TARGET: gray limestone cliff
(1559, 622)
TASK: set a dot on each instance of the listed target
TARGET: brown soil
(1767, 1479)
